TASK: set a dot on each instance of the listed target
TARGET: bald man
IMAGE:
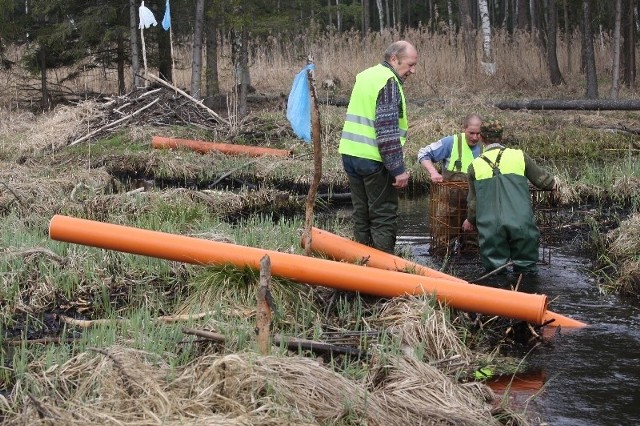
(371, 145)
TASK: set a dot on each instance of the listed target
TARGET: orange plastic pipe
(342, 276)
(339, 248)
(203, 147)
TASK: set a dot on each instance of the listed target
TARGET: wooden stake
(317, 161)
(263, 309)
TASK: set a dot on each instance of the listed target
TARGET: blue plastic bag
(299, 105)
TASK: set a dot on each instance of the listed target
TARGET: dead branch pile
(92, 119)
(154, 106)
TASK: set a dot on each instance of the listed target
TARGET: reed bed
(521, 65)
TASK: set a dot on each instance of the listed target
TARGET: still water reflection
(593, 374)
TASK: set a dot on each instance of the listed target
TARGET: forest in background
(56, 51)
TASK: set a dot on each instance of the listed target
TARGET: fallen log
(571, 104)
(291, 343)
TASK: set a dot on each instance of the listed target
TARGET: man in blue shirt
(455, 152)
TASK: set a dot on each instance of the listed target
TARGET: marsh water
(592, 375)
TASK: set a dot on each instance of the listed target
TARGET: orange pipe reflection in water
(529, 382)
(225, 148)
(342, 276)
(339, 248)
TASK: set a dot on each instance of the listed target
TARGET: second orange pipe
(225, 148)
(339, 248)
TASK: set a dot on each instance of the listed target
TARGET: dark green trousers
(375, 203)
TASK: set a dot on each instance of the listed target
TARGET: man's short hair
(491, 129)
(397, 49)
(469, 118)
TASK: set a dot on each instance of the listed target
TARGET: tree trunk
(242, 70)
(552, 56)
(567, 35)
(572, 104)
(133, 41)
(628, 45)
(533, 15)
(120, 63)
(521, 5)
(45, 102)
(589, 56)
(468, 38)
(212, 81)
(196, 62)
(615, 67)
(386, 12)
(452, 31)
(338, 16)
(488, 64)
(165, 70)
(365, 17)
(380, 14)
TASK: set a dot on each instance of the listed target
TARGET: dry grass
(423, 329)
(521, 66)
(623, 244)
(116, 385)
(624, 241)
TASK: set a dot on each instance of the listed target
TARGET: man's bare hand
(467, 226)
(436, 177)
(402, 180)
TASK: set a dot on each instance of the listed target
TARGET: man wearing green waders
(499, 203)
(373, 137)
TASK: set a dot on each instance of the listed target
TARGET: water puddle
(591, 375)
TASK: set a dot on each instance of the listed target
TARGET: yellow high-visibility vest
(359, 133)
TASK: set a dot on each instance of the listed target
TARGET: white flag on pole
(146, 17)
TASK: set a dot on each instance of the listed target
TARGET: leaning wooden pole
(317, 161)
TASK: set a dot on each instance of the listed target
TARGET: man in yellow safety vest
(371, 145)
(455, 152)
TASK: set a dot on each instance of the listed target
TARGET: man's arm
(433, 153)
(539, 177)
(388, 132)
(470, 222)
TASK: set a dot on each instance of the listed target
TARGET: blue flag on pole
(299, 105)
(166, 21)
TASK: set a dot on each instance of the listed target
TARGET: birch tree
(488, 63)
(380, 14)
